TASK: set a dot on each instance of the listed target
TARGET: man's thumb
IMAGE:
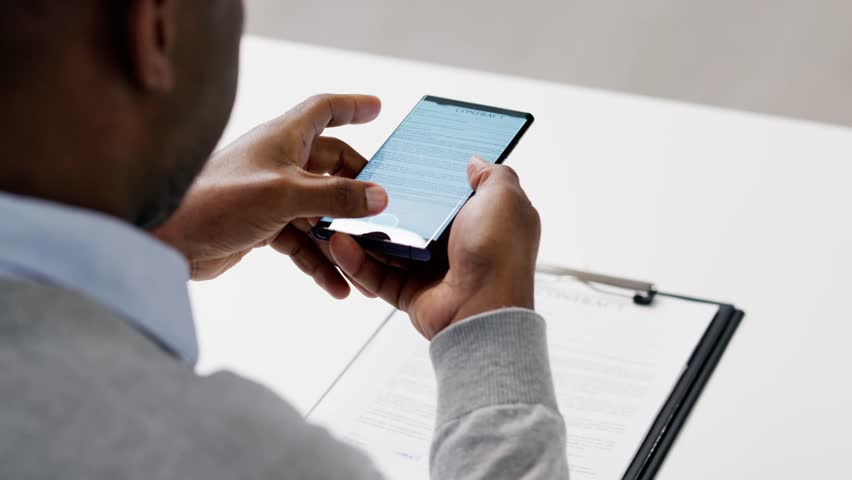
(477, 171)
(338, 198)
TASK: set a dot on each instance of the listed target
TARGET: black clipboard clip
(643, 292)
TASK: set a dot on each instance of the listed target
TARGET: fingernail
(377, 199)
(479, 161)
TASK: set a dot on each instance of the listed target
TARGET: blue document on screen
(423, 167)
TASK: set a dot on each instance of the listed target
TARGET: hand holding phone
(492, 254)
(422, 167)
(263, 188)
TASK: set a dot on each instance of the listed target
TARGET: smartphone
(423, 168)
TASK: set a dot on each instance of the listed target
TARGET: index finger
(319, 112)
(334, 157)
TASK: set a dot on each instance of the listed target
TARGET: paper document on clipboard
(614, 364)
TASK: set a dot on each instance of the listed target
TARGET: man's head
(114, 105)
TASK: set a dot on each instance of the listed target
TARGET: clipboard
(702, 363)
(674, 411)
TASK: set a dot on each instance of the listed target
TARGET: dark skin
(116, 105)
(86, 123)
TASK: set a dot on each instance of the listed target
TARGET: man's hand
(492, 252)
(262, 189)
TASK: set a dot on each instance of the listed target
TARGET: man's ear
(152, 29)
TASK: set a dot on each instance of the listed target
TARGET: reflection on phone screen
(423, 167)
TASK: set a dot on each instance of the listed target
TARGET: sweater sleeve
(497, 414)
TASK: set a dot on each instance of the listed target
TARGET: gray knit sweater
(83, 395)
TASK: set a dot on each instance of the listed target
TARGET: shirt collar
(111, 262)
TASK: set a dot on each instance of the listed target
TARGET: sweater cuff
(496, 358)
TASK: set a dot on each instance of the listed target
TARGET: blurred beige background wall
(784, 57)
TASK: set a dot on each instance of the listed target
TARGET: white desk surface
(739, 207)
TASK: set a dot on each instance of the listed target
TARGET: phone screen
(423, 167)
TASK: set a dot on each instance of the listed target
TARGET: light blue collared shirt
(109, 261)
